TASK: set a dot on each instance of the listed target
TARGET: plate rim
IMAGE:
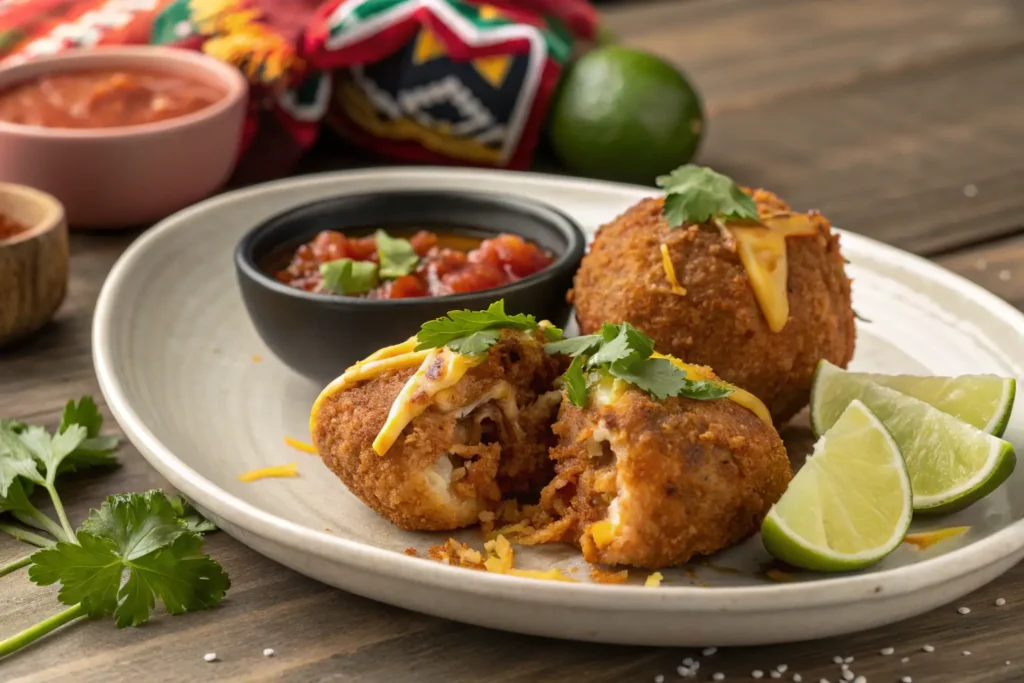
(835, 590)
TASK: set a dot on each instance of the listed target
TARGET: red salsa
(447, 264)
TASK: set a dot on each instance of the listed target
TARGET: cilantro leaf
(627, 345)
(16, 461)
(345, 276)
(696, 194)
(576, 383)
(51, 450)
(15, 498)
(574, 346)
(552, 333)
(136, 523)
(84, 413)
(460, 324)
(189, 516)
(397, 257)
(137, 537)
(16, 426)
(478, 342)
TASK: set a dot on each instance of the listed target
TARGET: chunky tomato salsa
(104, 99)
(382, 266)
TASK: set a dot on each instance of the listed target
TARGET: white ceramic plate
(174, 351)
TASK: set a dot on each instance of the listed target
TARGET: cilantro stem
(69, 532)
(36, 519)
(16, 565)
(25, 536)
(30, 635)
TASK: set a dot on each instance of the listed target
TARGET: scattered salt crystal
(963, 610)
(797, 678)
(823, 680)
(688, 662)
(757, 673)
(1000, 602)
(860, 679)
(781, 668)
(1004, 275)
(774, 674)
(970, 190)
(719, 676)
(708, 651)
(1007, 662)
(848, 660)
(847, 675)
(837, 659)
(967, 653)
(886, 651)
(268, 652)
(683, 671)
(905, 660)
(659, 679)
(928, 648)
(210, 656)
(906, 679)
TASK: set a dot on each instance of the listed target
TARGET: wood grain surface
(879, 113)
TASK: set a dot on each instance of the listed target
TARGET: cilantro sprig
(346, 276)
(624, 352)
(473, 332)
(132, 551)
(696, 194)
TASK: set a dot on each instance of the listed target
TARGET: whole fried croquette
(652, 484)
(713, 318)
(467, 445)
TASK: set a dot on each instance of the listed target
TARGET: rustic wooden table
(901, 120)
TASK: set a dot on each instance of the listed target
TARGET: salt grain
(860, 679)
(718, 676)
(797, 678)
(837, 660)
(659, 679)
(708, 651)
(928, 648)
(757, 673)
(823, 680)
(847, 675)
(848, 660)
(886, 651)
(268, 652)
(970, 190)
(1000, 602)
(781, 668)
(688, 662)
(905, 660)
(684, 671)
(906, 679)
(774, 674)
(967, 653)
(1004, 275)
(963, 610)
(210, 656)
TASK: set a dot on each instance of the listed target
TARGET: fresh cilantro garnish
(624, 352)
(695, 194)
(134, 550)
(130, 552)
(396, 255)
(473, 332)
(576, 382)
(345, 276)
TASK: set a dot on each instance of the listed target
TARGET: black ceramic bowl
(319, 335)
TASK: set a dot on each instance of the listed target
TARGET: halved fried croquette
(652, 484)
(466, 446)
(713, 317)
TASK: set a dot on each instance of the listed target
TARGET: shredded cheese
(603, 533)
(926, 539)
(739, 396)
(289, 470)
(500, 559)
(670, 272)
(300, 445)
(654, 580)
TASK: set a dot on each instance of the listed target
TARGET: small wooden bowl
(33, 262)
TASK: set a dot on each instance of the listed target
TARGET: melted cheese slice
(441, 369)
(762, 250)
(743, 398)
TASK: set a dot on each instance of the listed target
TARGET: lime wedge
(849, 505)
(982, 401)
(951, 463)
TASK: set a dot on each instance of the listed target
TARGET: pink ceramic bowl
(130, 175)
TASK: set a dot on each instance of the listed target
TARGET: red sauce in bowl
(9, 228)
(104, 99)
(448, 263)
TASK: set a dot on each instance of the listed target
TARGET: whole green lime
(623, 114)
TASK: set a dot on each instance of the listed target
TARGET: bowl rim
(135, 56)
(53, 215)
(549, 216)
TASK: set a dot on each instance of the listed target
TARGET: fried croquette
(718, 320)
(651, 484)
(481, 439)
